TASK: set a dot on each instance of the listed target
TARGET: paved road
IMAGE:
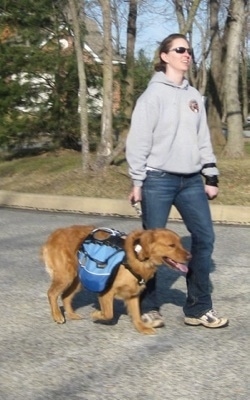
(40, 360)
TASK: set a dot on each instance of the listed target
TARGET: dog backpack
(99, 259)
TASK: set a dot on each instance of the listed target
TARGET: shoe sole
(154, 324)
(191, 322)
(159, 325)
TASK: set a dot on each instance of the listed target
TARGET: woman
(168, 150)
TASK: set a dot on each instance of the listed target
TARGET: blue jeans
(160, 191)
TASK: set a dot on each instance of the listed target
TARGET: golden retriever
(156, 247)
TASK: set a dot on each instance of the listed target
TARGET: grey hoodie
(169, 131)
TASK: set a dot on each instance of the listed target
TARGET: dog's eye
(172, 245)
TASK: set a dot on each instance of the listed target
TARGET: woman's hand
(135, 194)
(211, 191)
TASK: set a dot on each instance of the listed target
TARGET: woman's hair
(164, 47)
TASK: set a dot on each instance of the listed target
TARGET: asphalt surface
(40, 360)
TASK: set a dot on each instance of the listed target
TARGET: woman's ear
(164, 57)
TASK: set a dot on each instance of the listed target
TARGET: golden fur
(156, 247)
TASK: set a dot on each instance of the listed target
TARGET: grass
(60, 173)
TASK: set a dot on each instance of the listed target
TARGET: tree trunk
(197, 75)
(235, 143)
(106, 144)
(185, 26)
(244, 68)
(215, 80)
(129, 80)
(130, 58)
(82, 85)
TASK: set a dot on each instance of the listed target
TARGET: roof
(94, 42)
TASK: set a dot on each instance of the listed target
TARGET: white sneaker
(209, 320)
(154, 318)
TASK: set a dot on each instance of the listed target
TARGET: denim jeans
(160, 191)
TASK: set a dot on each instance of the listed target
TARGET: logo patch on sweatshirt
(194, 106)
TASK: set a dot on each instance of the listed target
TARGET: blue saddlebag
(99, 260)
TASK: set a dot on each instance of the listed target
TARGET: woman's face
(178, 57)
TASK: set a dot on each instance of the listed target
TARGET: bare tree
(130, 57)
(129, 78)
(106, 144)
(244, 65)
(206, 25)
(198, 75)
(236, 17)
(188, 18)
(224, 48)
(186, 14)
(118, 13)
(82, 84)
(215, 97)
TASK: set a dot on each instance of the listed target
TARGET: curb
(115, 207)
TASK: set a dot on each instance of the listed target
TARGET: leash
(137, 206)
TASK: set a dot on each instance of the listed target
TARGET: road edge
(103, 206)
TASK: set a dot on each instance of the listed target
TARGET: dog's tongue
(182, 267)
(174, 264)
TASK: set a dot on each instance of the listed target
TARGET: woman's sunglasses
(182, 50)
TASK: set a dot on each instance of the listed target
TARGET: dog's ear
(146, 240)
(138, 244)
(132, 245)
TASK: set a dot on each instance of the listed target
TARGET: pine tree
(38, 78)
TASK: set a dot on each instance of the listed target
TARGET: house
(92, 54)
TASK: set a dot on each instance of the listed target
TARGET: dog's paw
(59, 319)
(148, 331)
(96, 315)
(99, 316)
(145, 329)
(74, 316)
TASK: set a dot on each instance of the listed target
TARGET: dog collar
(141, 281)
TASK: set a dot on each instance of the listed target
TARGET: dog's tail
(45, 258)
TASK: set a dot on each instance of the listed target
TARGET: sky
(151, 31)
(155, 21)
(150, 37)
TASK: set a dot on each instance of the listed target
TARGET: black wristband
(212, 180)
(209, 165)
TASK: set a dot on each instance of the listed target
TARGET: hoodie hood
(160, 77)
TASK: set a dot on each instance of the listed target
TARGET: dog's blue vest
(99, 260)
